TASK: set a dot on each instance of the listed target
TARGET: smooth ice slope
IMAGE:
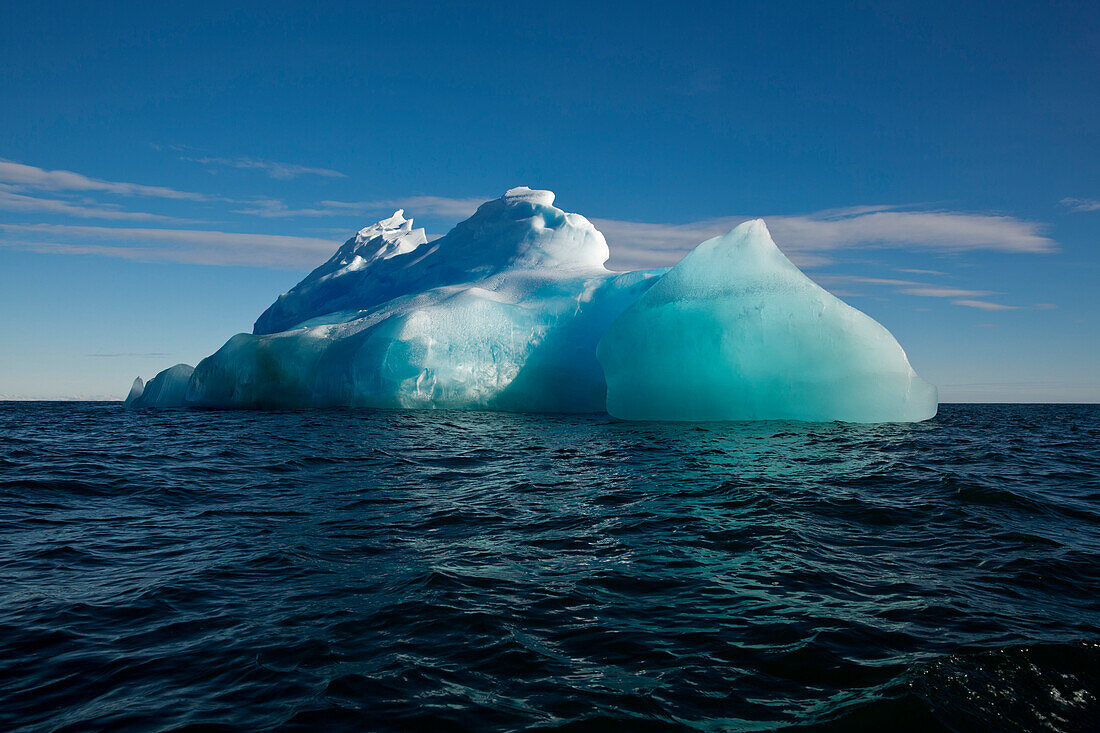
(504, 312)
(736, 332)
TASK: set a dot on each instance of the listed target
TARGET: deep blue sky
(972, 127)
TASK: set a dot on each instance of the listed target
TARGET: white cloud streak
(985, 305)
(847, 279)
(273, 168)
(940, 292)
(913, 271)
(805, 238)
(811, 240)
(190, 246)
(28, 176)
(961, 296)
(10, 201)
(440, 207)
(927, 230)
(276, 209)
(1078, 205)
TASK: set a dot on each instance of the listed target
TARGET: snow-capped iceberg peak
(521, 230)
(524, 230)
(388, 238)
(531, 195)
(383, 240)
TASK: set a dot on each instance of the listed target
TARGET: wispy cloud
(938, 292)
(273, 168)
(914, 271)
(440, 206)
(635, 245)
(415, 206)
(811, 240)
(836, 283)
(985, 305)
(834, 278)
(190, 246)
(276, 209)
(805, 237)
(28, 176)
(1081, 204)
(923, 230)
(10, 201)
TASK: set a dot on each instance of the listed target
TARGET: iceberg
(735, 331)
(515, 310)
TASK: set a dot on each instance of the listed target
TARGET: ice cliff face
(505, 312)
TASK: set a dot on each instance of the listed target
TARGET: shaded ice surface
(736, 332)
(167, 389)
(505, 313)
(136, 390)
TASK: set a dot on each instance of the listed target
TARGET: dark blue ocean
(478, 571)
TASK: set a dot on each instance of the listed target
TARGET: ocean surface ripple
(479, 571)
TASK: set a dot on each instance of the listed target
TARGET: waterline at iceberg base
(514, 310)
